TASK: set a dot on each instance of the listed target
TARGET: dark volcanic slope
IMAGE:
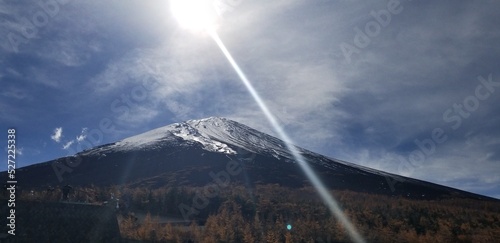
(198, 152)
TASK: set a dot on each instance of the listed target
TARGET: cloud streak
(82, 136)
(68, 144)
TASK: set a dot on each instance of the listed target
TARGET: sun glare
(195, 15)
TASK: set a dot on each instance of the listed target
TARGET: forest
(274, 213)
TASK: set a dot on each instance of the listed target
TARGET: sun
(195, 15)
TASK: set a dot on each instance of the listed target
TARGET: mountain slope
(198, 152)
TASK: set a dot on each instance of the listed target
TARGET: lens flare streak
(323, 192)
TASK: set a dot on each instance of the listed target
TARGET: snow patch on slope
(237, 134)
(187, 132)
(146, 139)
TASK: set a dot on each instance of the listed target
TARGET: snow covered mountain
(214, 134)
(191, 152)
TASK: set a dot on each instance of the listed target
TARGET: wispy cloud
(80, 138)
(19, 150)
(57, 134)
(82, 135)
(68, 144)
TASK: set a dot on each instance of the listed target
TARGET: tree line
(274, 213)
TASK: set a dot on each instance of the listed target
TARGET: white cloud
(82, 135)
(19, 151)
(68, 144)
(57, 134)
(79, 138)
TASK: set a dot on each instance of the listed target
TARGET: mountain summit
(196, 152)
(214, 134)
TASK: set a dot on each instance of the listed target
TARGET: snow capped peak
(215, 134)
(173, 134)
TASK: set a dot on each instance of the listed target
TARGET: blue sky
(408, 87)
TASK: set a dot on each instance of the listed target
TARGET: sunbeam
(323, 192)
(194, 14)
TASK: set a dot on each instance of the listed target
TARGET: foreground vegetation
(272, 213)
